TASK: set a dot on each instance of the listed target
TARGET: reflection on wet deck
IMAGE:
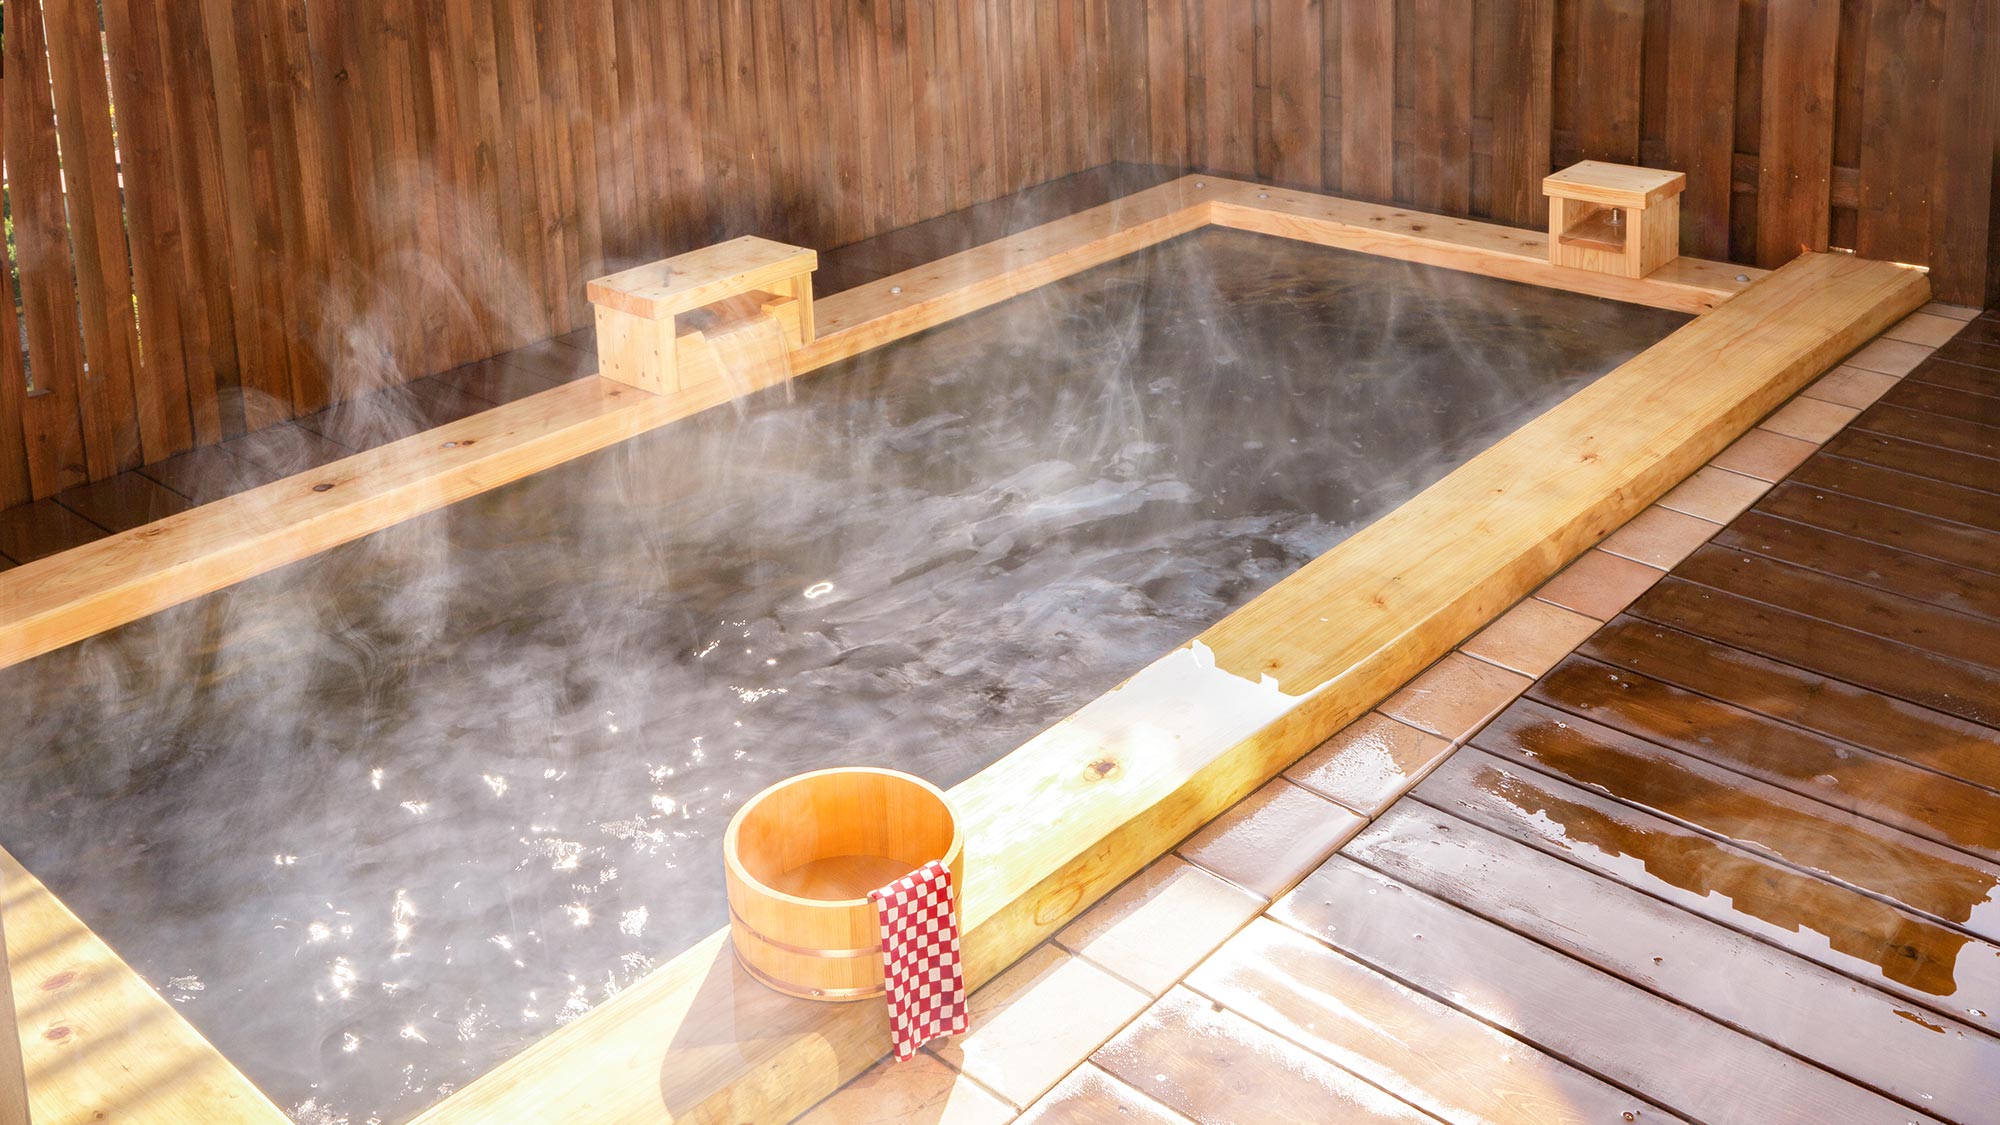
(1734, 857)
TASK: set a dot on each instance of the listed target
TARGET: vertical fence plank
(981, 95)
(1367, 98)
(1609, 36)
(208, 342)
(1901, 72)
(106, 390)
(1795, 154)
(15, 487)
(138, 75)
(1700, 119)
(1297, 42)
(55, 446)
(1523, 98)
(1227, 87)
(1965, 231)
(1166, 80)
(1441, 126)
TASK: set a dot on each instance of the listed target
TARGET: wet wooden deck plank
(1213, 1065)
(1426, 1052)
(1666, 1052)
(1885, 524)
(1936, 1064)
(1938, 499)
(1881, 788)
(1950, 886)
(1957, 376)
(1855, 605)
(1089, 1096)
(1889, 416)
(1928, 461)
(1854, 655)
(1885, 568)
(1935, 967)
(1966, 406)
(1855, 715)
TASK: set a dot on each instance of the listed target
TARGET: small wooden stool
(1614, 218)
(654, 321)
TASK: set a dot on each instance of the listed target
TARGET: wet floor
(377, 820)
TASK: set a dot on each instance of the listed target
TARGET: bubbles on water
(818, 590)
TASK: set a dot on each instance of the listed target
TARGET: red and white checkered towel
(920, 959)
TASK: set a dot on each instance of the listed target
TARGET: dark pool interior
(377, 820)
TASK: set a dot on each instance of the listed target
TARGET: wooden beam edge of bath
(97, 1042)
(1690, 285)
(79, 593)
(1065, 819)
(67, 597)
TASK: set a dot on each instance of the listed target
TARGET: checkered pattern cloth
(920, 960)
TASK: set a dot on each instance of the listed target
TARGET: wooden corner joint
(1614, 218)
(661, 327)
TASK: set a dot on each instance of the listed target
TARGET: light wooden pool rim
(1054, 825)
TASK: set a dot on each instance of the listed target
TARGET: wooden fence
(321, 196)
(1870, 125)
(230, 212)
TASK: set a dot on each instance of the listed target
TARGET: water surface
(377, 820)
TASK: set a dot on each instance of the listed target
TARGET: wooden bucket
(801, 858)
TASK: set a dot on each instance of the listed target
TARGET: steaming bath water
(377, 820)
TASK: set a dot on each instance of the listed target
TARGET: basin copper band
(801, 950)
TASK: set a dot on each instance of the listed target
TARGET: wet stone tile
(1091, 1097)
(1659, 537)
(1850, 386)
(1600, 584)
(920, 1089)
(1924, 328)
(1531, 637)
(1456, 696)
(1160, 924)
(1035, 1022)
(1272, 838)
(1764, 455)
(1810, 419)
(1370, 763)
(1713, 494)
(1890, 357)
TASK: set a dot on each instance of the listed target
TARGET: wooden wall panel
(1700, 118)
(1795, 157)
(320, 197)
(1523, 77)
(1367, 98)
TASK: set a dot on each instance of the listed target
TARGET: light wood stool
(656, 322)
(1614, 218)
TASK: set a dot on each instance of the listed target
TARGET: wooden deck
(1730, 856)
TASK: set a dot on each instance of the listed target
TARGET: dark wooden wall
(1870, 125)
(272, 204)
(320, 196)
